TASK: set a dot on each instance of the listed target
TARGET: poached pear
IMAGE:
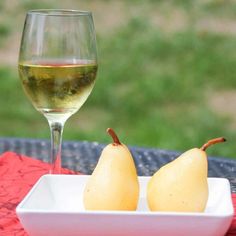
(181, 185)
(113, 184)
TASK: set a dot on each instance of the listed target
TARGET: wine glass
(57, 67)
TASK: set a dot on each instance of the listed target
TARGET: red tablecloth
(18, 174)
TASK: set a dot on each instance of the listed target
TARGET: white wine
(57, 87)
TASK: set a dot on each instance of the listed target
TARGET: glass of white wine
(57, 67)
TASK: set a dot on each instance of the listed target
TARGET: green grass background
(154, 83)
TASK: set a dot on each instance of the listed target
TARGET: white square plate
(54, 207)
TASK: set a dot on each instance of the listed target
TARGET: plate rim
(20, 210)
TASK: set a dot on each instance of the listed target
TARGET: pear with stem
(113, 184)
(181, 185)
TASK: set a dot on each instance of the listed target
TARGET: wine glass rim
(59, 12)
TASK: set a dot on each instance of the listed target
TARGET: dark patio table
(82, 156)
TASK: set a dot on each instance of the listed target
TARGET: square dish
(54, 207)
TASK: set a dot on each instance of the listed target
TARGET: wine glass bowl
(57, 66)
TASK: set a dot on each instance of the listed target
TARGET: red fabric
(232, 229)
(18, 174)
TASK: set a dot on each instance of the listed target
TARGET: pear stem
(112, 133)
(211, 142)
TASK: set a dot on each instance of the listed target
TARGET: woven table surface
(83, 157)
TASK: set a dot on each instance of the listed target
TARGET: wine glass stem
(56, 129)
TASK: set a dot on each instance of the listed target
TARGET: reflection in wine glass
(57, 67)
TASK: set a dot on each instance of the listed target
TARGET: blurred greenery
(154, 84)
